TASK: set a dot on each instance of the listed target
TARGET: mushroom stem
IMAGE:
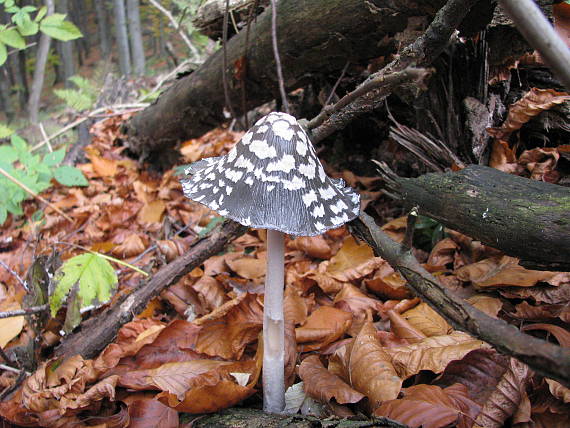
(273, 326)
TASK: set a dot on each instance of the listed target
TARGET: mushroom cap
(272, 179)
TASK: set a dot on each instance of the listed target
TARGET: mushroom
(272, 179)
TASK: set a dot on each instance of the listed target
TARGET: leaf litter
(355, 336)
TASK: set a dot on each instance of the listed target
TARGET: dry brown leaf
(325, 282)
(396, 229)
(503, 158)
(295, 307)
(543, 312)
(146, 412)
(351, 299)
(152, 212)
(247, 267)
(132, 246)
(426, 320)
(403, 329)
(502, 272)
(102, 167)
(433, 353)
(314, 246)
(388, 284)
(369, 368)
(490, 305)
(12, 326)
(562, 335)
(325, 325)
(443, 252)
(353, 261)
(429, 406)
(228, 329)
(540, 162)
(211, 291)
(324, 386)
(559, 391)
(530, 105)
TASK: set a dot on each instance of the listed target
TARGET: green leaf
(8, 154)
(3, 53)
(54, 158)
(19, 143)
(55, 26)
(26, 26)
(3, 214)
(70, 176)
(41, 13)
(12, 37)
(5, 131)
(96, 278)
(75, 99)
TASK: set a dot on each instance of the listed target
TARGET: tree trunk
(39, 72)
(122, 38)
(524, 218)
(78, 13)
(5, 94)
(103, 27)
(316, 37)
(65, 49)
(135, 36)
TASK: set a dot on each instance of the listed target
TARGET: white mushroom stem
(273, 326)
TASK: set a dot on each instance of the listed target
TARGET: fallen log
(316, 37)
(524, 218)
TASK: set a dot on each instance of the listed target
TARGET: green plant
(25, 25)
(81, 98)
(35, 171)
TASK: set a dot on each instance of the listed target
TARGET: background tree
(135, 36)
(121, 34)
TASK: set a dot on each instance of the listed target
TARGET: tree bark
(39, 72)
(135, 36)
(524, 218)
(315, 37)
(103, 27)
(122, 37)
(65, 49)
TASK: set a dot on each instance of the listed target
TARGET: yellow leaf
(10, 327)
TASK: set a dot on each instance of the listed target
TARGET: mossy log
(524, 218)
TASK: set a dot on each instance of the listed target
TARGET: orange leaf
(152, 212)
(403, 329)
(324, 326)
(322, 385)
(247, 267)
(314, 246)
(429, 406)
(426, 320)
(353, 261)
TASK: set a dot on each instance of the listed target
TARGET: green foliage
(23, 25)
(5, 131)
(79, 99)
(33, 170)
(93, 276)
(427, 233)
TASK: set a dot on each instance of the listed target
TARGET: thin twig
(284, 100)
(334, 88)
(14, 274)
(45, 137)
(6, 357)
(34, 194)
(177, 27)
(26, 311)
(9, 368)
(90, 115)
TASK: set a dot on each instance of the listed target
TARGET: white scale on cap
(272, 179)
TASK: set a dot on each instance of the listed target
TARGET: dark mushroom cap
(272, 179)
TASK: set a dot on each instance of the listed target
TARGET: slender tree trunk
(122, 38)
(78, 15)
(39, 72)
(5, 92)
(65, 50)
(103, 27)
(135, 35)
(26, 88)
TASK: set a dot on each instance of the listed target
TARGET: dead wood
(316, 37)
(524, 218)
(545, 358)
(99, 331)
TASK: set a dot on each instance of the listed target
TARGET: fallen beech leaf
(322, 385)
(12, 326)
(369, 369)
(352, 299)
(543, 312)
(295, 307)
(314, 246)
(503, 158)
(323, 326)
(211, 291)
(539, 293)
(443, 252)
(132, 246)
(102, 167)
(150, 413)
(429, 406)
(562, 335)
(228, 329)
(426, 320)
(433, 353)
(247, 267)
(531, 104)
(403, 329)
(504, 401)
(540, 162)
(559, 391)
(388, 284)
(490, 305)
(501, 272)
(152, 212)
(396, 229)
(353, 261)
(326, 283)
